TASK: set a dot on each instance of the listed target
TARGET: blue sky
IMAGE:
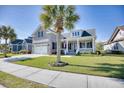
(25, 19)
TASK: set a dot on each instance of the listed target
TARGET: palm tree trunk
(58, 47)
(5, 51)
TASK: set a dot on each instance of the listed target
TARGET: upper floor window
(121, 33)
(40, 34)
(75, 33)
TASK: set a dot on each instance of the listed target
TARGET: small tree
(58, 17)
(8, 34)
(99, 46)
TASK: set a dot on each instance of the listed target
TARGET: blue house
(20, 44)
(16, 45)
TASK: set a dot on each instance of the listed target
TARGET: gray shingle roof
(28, 40)
(17, 41)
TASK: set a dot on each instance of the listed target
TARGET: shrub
(23, 51)
(78, 54)
(98, 52)
(116, 52)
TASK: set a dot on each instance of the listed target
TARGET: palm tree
(58, 17)
(7, 33)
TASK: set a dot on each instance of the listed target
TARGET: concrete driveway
(21, 57)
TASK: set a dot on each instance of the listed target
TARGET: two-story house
(44, 42)
(116, 41)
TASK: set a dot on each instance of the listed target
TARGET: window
(116, 46)
(62, 45)
(53, 45)
(78, 33)
(40, 34)
(73, 34)
(89, 45)
(69, 46)
(82, 45)
(121, 33)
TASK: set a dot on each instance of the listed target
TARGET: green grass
(11, 81)
(109, 65)
(9, 55)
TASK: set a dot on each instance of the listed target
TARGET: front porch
(75, 45)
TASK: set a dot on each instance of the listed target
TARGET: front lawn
(8, 55)
(11, 81)
(109, 65)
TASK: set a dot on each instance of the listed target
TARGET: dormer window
(75, 33)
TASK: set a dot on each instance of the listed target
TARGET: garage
(42, 49)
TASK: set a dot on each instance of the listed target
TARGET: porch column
(66, 46)
(77, 46)
(17, 47)
(85, 44)
(11, 48)
(93, 44)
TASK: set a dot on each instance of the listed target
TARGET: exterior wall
(16, 47)
(121, 46)
(30, 47)
(27, 46)
(111, 47)
(116, 44)
(120, 35)
(40, 46)
(46, 41)
(48, 38)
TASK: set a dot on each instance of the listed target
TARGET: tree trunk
(58, 47)
(5, 51)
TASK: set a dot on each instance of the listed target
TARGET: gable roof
(39, 28)
(85, 33)
(17, 41)
(117, 29)
(28, 40)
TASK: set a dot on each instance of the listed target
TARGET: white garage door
(40, 49)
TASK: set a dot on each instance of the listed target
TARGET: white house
(116, 41)
(44, 42)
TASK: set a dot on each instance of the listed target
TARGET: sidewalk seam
(33, 73)
(54, 78)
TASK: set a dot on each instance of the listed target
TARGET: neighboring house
(44, 42)
(20, 44)
(116, 41)
(16, 45)
(27, 44)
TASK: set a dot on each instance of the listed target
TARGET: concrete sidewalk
(60, 79)
(1, 86)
